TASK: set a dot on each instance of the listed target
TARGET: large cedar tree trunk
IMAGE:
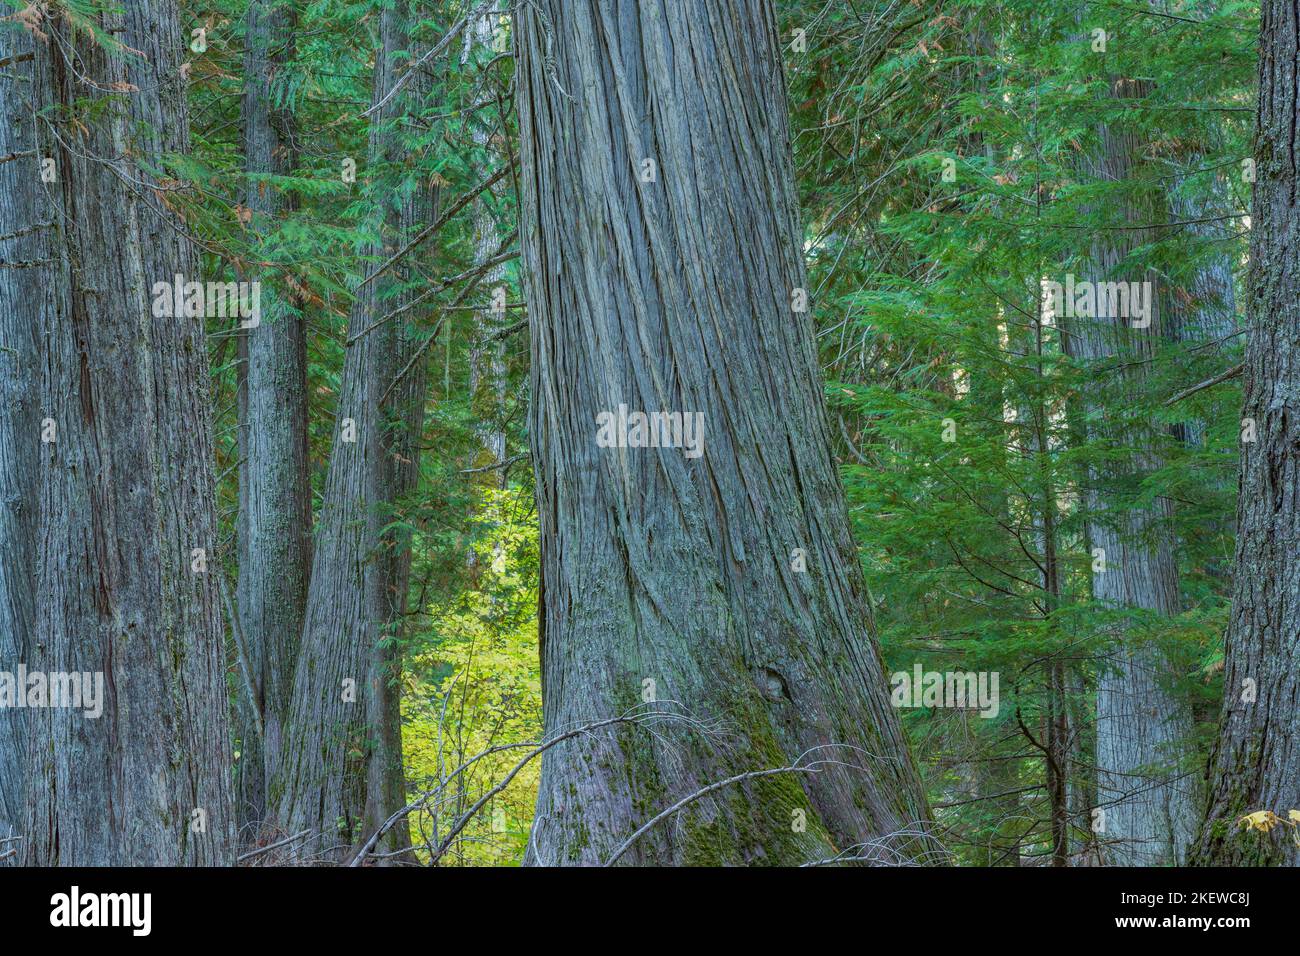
(126, 496)
(1141, 725)
(26, 272)
(1256, 763)
(669, 577)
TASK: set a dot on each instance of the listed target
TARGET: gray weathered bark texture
(675, 295)
(1142, 726)
(127, 488)
(26, 272)
(1256, 762)
(342, 770)
(274, 484)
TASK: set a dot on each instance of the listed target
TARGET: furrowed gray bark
(1141, 724)
(274, 480)
(1256, 761)
(342, 771)
(25, 273)
(669, 577)
(126, 497)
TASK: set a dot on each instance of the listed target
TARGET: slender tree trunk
(403, 415)
(125, 578)
(275, 485)
(26, 273)
(1056, 737)
(1082, 785)
(487, 358)
(664, 266)
(1256, 762)
(342, 771)
(1057, 720)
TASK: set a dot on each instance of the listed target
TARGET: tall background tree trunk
(342, 772)
(1141, 724)
(127, 494)
(1256, 762)
(487, 368)
(275, 485)
(666, 577)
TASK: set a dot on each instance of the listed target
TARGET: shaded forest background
(1025, 498)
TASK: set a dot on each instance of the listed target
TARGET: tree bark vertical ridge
(24, 222)
(1256, 761)
(127, 496)
(275, 489)
(342, 773)
(676, 295)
